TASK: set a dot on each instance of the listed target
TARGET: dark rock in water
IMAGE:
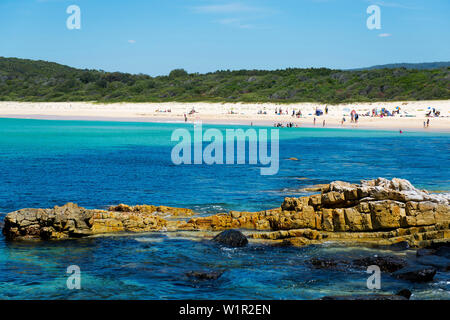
(404, 294)
(386, 263)
(323, 263)
(425, 252)
(443, 251)
(416, 274)
(205, 275)
(399, 246)
(231, 238)
(320, 263)
(439, 244)
(440, 263)
(437, 257)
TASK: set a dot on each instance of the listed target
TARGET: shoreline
(412, 116)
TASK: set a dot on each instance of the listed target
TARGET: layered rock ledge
(377, 211)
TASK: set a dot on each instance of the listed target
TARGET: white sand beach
(411, 115)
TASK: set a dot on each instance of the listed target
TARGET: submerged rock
(425, 252)
(399, 246)
(437, 257)
(231, 238)
(385, 263)
(404, 294)
(205, 275)
(443, 251)
(416, 274)
(435, 261)
(330, 264)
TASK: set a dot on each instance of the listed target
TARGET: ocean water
(97, 164)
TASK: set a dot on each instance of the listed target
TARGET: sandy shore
(412, 114)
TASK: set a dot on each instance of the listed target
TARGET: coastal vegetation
(29, 80)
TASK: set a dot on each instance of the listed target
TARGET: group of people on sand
(354, 116)
(288, 125)
(384, 112)
(191, 113)
(279, 111)
(166, 110)
(433, 113)
(323, 122)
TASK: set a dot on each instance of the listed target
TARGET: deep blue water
(97, 164)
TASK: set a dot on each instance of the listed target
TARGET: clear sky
(156, 36)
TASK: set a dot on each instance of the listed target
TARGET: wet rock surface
(416, 274)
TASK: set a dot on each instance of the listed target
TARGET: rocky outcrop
(231, 238)
(69, 221)
(72, 221)
(378, 211)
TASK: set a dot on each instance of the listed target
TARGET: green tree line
(29, 80)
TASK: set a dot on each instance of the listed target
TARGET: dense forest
(28, 80)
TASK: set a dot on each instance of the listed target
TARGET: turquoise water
(97, 164)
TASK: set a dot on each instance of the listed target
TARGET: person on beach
(185, 117)
(314, 120)
(342, 121)
(326, 109)
(323, 123)
(428, 123)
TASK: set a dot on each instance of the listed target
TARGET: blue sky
(156, 36)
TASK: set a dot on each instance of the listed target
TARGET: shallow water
(96, 164)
